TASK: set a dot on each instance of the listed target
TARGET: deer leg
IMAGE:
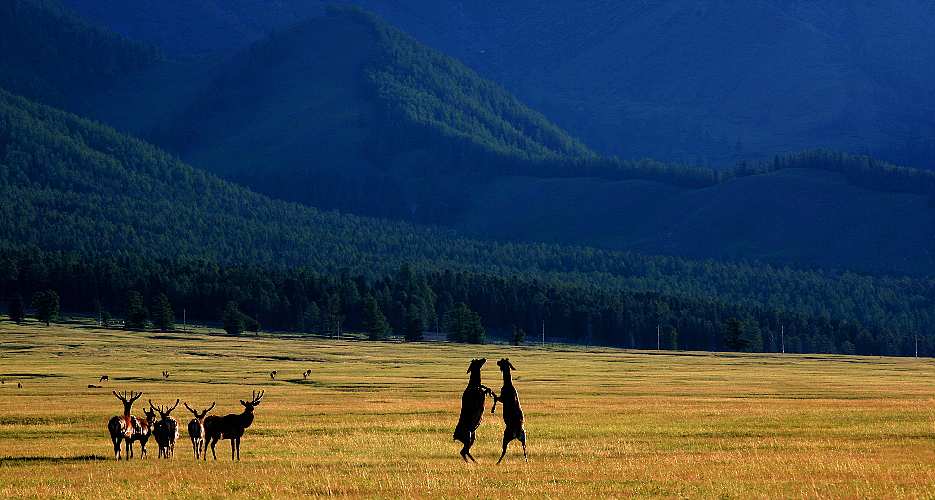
(129, 452)
(507, 437)
(238, 449)
(116, 441)
(232, 449)
(522, 440)
(214, 442)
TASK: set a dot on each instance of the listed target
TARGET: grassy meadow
(375, 419)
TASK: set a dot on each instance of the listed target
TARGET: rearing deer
(472, 409)
(231, 426)
(166, 430)
(512, 412)
(121, 426)
(196, 429)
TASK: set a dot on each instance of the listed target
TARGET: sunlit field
(375, 419)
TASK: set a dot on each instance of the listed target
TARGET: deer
(196, 429)
(305, 374)
(166, 430)
(272, 375)
(165, 374)
(121, 426)
(103, 378)
(231, 426)
(472, 409)
(142, 430)
(512, 411)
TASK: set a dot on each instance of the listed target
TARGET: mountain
(69, 185)
(383, 127)
(51, 55)
(697, 82)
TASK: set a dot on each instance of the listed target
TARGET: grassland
(375, 419)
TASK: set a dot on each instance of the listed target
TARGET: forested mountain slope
(697, 81)
(51, 55)
(69, 185)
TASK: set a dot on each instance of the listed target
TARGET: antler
(134, 398)
(211, 407)
(189, 408)
(121, 398)
(173, 406)
(257, 397)
(154, 407)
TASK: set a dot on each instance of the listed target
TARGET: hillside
(51, 55)
(804, 216)
(696, 82)
(125, 211)
(384, 127)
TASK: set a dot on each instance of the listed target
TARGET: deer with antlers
(305, 374)
(166, 430)
(231, 426)
(142, 430)
(121, 427)
(196, 430)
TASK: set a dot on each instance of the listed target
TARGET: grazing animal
(472, 409)
(142, 430)
(165, 374)
(92, 386)
(306, 374)
(196, 429)
(121, 426)
(512, 412)
(19, 385)
(103, 378)
(231, 426)
(272, 375)
(166, 430)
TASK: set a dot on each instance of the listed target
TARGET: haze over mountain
(698, 82)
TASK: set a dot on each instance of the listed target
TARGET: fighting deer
(512, 412)
(272, 375)
(142, 430)
(305, 374)
(231, 426)
(196, 429)
(121, 426)
(472, 409)
(103, 378)
(166, 430)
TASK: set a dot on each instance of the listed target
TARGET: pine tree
(233, 319)
(734, 335)
(16, 310)
(136, 311)
(46, 305)
(519, 336)
(464, 325)
(163, 316)
(414, 324)
(373, 321)
(670, 338)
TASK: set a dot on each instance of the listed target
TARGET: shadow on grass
(13, 461)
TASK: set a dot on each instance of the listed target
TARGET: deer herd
(205, 430)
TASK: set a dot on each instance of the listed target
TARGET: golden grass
(375, 420)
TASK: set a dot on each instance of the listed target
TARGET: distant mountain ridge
(695, 82)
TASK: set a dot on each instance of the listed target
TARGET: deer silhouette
(103, 378)
(121, 426)
(231, 426)
(272, 375)
(472, 409)
(196, 429)
(305, 374)
(512, 412)
(166, 430)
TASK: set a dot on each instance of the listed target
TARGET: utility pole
(184, 320)
(543, 333)
(657, 338)
(782, 337)
(917, 344)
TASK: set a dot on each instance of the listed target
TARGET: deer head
(163, 411)
(200, 415)
(127, 400)
(150, 414)
(248, 407)
(476, 365)
(505, 367)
